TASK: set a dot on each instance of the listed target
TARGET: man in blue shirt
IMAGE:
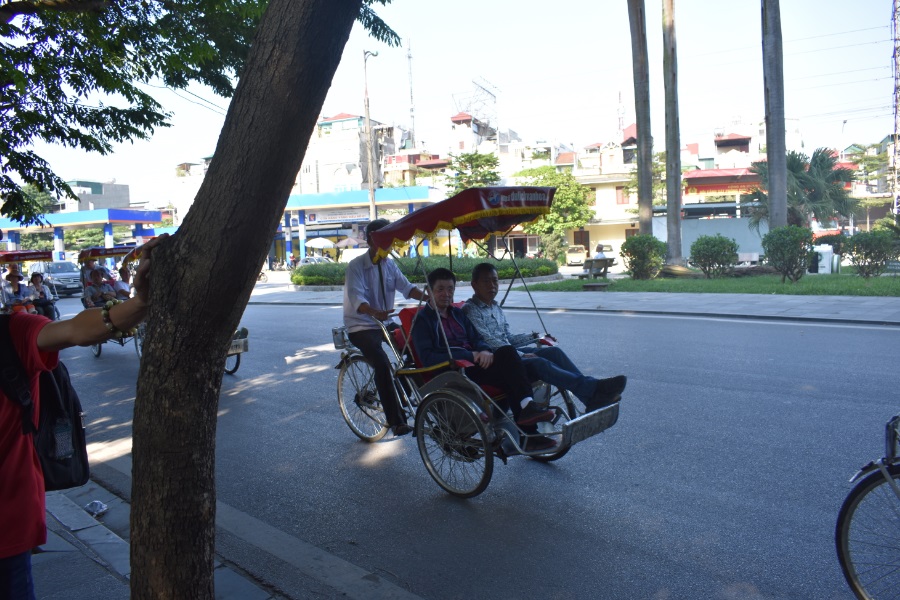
(369, 290)
(546, 363)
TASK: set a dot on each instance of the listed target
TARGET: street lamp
(373, 213)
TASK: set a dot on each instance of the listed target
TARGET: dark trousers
(506, 373)
(16, 582)
(369, 342)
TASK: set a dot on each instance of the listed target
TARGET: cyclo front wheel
(868, 536)
(139, 339)
(359, 399)
(454, 444)
(232, 362)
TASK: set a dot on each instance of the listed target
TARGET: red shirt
(22, 518)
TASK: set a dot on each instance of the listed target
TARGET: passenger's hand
(483, 359)
(142, 276)
(381, 315)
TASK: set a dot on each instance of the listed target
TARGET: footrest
(590, 424)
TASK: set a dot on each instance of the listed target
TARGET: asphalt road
(722, 478)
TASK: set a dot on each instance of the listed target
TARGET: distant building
(95, 195)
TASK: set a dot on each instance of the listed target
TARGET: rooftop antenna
(621, 113)
(412, 117)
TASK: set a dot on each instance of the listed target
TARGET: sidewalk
(84, 559)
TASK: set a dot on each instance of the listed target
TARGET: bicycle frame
(891, 456)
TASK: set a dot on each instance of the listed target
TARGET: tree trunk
(673, 138)
(641, 71)
(776, 149)
(201, 281)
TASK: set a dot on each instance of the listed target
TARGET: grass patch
(809, 285)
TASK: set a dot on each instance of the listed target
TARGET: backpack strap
(13, 381)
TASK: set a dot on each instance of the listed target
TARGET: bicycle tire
(97, 349)
(565, 414)
(139, 340)
(232, 362)
(867, 536)
(359, 401)
(454, 445)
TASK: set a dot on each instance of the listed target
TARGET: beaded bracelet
(113, 330)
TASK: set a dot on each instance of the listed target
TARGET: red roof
(433, 163)
(630, 132)
(565, 158)
(732, 137)
(709, 173)
(340, 117)
(597, 145)
(693, 149)
(461, 117)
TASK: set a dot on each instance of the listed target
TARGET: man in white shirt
(369, 290)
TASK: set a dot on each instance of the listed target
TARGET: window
(631, 232)
(621, 198)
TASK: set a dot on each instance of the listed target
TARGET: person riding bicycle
(545, 363)
(369, 291)
(501, 368)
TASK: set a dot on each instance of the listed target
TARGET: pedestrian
(22, 496)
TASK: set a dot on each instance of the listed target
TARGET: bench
(595, 268)
(595, 287)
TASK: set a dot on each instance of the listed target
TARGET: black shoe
(401, 429)
(612, 386)
(538, 443)
(534, 413)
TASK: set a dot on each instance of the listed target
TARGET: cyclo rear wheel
(868, 536)
(359, 399)
(454, 444)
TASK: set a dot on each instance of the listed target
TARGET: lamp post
(373, 213)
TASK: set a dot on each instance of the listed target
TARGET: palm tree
(641, 72)
(673, 138)
(815, 189)
(773, 81)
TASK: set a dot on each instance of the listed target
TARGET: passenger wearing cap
(369, 290)
(16, 297)
(41, 296)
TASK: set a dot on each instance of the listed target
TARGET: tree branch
(10, 11)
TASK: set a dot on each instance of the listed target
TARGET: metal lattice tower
(481, 103)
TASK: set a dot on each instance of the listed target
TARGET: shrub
(837, 242)
(870, 252)
(644, 256)
(787, 250)
(715, 255)
(333, 273)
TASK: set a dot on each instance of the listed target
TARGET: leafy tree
(869, 164)
(644, 256)
(57, 57)
(815, 189)
(571, 208)
(209, 267)
(472, 169)
(657, 178)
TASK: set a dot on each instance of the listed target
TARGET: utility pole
(412, 116)
(896, 153)
(373, 212)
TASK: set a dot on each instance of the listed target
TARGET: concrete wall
(747, 239)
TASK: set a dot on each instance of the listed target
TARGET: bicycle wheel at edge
(139, 340)
(565, 414)
(232, 362)
(454, 445)
(359, 401)
(867, 537)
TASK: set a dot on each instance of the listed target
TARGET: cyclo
(15, 257)
(460, 427)
(239, 343)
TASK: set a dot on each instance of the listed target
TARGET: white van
(348, 254)
(575, 254)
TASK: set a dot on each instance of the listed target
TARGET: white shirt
(363, 283)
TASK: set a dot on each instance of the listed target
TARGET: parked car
(314, 260)
(64, 276)
(575, 254)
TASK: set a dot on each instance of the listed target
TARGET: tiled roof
(630, 132)
(709, 173)
(565, 158)
(340, 117)
(461, 117)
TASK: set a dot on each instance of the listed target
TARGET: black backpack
(60, 438)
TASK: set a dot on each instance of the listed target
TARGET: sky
(561, 72)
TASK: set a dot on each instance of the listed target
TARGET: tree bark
(776, 148)
(673, 138)
(201, 281)
(641, 74)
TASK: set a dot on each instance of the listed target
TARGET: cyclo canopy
(475, 212)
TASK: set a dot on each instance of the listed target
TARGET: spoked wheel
(454, 445)
(359, 401)
(565, 412)
(96, 349)
(262, 277)
(868, 536)
(139, 340)
(232, 362)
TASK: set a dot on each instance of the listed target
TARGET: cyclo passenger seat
(406, 320)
